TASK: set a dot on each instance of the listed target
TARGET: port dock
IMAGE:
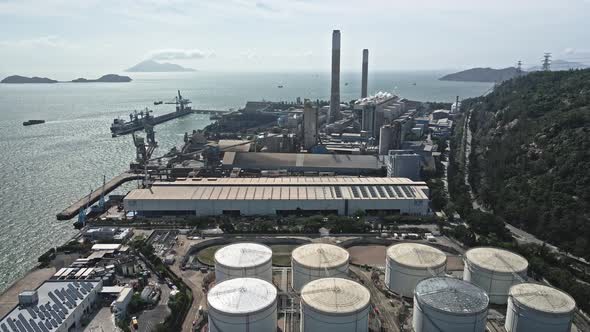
(95, 195)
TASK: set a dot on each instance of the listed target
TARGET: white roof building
(284, 195)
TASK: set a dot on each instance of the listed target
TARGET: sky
(43, 37)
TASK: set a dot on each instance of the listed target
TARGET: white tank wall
(403, 280)
(262, 321)
(496, 284)
(314, 321)
(520, 318)
(302, 274)
(426, 319)
(263, 271)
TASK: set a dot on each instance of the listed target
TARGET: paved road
(378, 298)
(192, 279)
(150, 318)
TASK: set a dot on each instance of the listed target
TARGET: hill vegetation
(109, 78)
(482, 75)
(16, 79)
(531, 155)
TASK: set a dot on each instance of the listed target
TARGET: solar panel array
(50, 311)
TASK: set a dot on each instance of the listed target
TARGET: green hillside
(531, 160)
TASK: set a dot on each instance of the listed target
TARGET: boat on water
(280, 86)
(33, 122)
(159, 102)
(138, 120)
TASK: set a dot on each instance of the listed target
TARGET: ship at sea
(138, 120)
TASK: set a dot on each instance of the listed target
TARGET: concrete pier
(113, 184)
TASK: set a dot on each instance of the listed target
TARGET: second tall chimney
(365, 73)
(333, 115)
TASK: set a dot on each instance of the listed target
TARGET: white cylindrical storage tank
(448, 304)
(538, 308)
(242, 260)
(317, 260)
(242, 304)
(335, 304)
(495, 270)
(409, 263)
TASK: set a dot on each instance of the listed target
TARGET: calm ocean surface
(46, 167)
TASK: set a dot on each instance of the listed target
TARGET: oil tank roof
(242, 296)
(451, 295)
(243, 255)
(498, 260)
(320, 255)
(335, 295)
(416, 255)
(542, 298)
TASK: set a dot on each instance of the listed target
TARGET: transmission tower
(547, 62)
(519, 68)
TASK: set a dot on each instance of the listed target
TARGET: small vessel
(346, 84)
(280, 86)
(33, 122)
(159, 102)
(414, 83)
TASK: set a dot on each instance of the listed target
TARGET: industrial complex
(283, 216)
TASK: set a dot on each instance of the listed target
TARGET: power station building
(280, 196)
(304, 162)
(404, 164)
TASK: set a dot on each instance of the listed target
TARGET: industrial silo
(334, 304)
(317, 260)
(495, 270)
(242, 304)
(241, 260)
(386, 137)
(448, 304)
(538, 308)
(409, 263)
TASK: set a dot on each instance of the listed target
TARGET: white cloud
(179, 54)
(50, 41)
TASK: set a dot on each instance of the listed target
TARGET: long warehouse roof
(292, 181)
(262, 160)
(302, 188)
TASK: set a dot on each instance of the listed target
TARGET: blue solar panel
(42, 327)
(48, 324)
(32, 313)
(24, 322)
(12, 325)
(20, 325)
(4, 328)
(34, 325)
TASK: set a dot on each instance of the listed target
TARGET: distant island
(110, 78)
(16, 79)
(482, 75)
(151, 66)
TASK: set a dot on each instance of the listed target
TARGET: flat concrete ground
(33, 279)
(454, 263)
(373, 255)
(103, 320)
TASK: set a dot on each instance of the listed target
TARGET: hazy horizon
(97, 37)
